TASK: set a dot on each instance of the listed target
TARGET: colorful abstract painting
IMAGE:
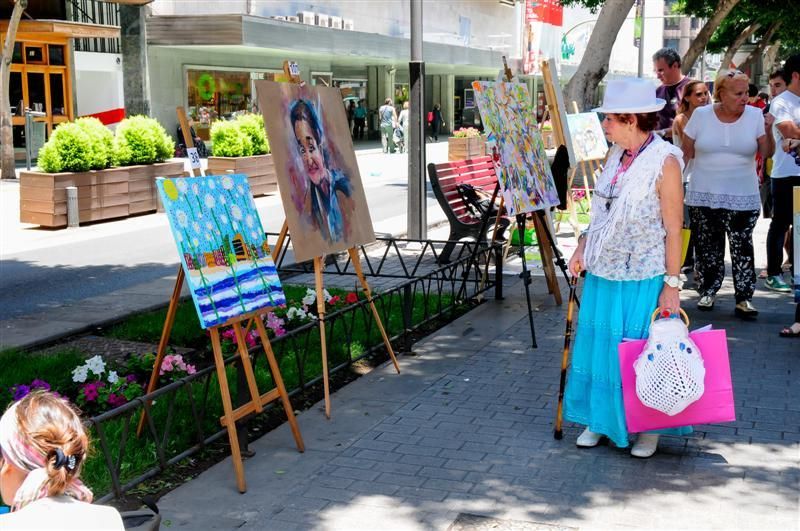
(316, 167)
(222, 246)
(588, 139)
(526, 181)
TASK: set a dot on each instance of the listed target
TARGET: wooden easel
(292, 71)
(257, 400)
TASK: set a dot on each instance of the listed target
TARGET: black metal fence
(183, 416)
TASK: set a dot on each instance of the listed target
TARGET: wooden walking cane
(573, 285)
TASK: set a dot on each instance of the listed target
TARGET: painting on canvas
(588, 139)
(222, 246)
(526, 181)
(316, 167)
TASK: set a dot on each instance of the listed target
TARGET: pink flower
(334, 299)
(351, 298)
(190, 369)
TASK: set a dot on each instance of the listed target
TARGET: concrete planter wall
(102, 194)
(260, 171)
(466, 148)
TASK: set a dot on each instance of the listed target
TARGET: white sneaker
(646, 445)
(706, 303)
(588, 439)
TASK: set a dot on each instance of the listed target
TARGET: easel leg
(276, 251)
(558, 256)
(545, 245)
(322, 335)
(241, 345)
(357, 266)
(526, 275)
(172, 310)
(276, 376)
(227, 407)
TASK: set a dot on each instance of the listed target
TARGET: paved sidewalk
(466, 429)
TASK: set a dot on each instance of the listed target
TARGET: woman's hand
(576, 264)
(789, 144)
(669, 300)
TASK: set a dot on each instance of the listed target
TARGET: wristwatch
(673, 281)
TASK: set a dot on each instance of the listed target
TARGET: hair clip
(63, 460)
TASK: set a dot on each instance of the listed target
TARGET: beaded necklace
(623, 167)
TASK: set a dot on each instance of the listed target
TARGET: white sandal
(588, 439)
(646, 445)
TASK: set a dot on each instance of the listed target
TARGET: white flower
(227, 183)
(240, 189)
(224, 219)
(113, 377)
(236, 212)
(196, 226)
(80, 373)
(310, 298)
(183, 219)
(249, 220)
(208, 236)
(211, 184)
(182, 185)
(222, 200)
(326, 295)
(96, 365)
(254, 235)
(209, 226)
(210, 201)
(195, 241)
(296, 313)
(195, 189)
(179, 237)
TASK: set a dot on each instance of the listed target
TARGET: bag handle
(681, 313)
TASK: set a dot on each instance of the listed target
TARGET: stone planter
(260, 171)
(102, 194)
(466, 148)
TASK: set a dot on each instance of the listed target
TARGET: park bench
(445, 177)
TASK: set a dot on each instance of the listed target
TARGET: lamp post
(417, 219)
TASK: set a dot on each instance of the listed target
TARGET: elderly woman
(722, 140)
(44, 446)
(631, 253)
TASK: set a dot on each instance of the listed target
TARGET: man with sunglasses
(667, 66)
(785, 172)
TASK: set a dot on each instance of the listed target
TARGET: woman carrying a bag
(631, 253)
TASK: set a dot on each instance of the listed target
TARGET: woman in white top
(43, 446)
(633, 239)
(722, 140)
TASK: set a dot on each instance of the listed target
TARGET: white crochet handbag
(669, 372)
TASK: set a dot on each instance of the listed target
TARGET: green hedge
(83, 145)
(141, 140)
(243, 137)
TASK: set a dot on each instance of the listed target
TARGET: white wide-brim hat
(630, 95)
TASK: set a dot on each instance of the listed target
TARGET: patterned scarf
(27, 458)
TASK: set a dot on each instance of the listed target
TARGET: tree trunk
(765, 41)
(6, 131)
(770, 56)
(594, 63)
(727, 59)
(699, 44)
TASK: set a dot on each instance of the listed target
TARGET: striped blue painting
(222, 246)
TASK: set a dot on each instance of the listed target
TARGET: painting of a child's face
(309, 151)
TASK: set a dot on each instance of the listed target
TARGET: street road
(41, 267)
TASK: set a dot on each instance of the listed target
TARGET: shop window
(34, 55)
(36, 92)
(57, 94)
(15, 93)
(16, 57)
(324, 79)
(56, 54)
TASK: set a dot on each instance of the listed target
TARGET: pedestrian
(785, 173)
(633, 239)
(437, 122)
(44, 445)
(351, 115)
(722, 140)
(667, 66)
(753, 98)
(388, 120)
(360, 118)
(402, 122)
(695, 94)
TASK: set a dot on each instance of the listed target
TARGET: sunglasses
(732, 73)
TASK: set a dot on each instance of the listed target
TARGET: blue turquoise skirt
(610, 310)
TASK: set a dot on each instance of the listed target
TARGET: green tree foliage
(141, 140)
(68, 149)
(253, 126)
(229, 140)
(765, 13)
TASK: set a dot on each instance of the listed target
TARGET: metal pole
(641, 43)
(28, 134)
(72, 206)
(417, 222)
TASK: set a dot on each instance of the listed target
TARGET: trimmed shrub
(69, 148)
(141, 140)
(253, 126)
(229, 140)
(102, 142)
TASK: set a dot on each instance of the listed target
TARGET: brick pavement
(467, 429)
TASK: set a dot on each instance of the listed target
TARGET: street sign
(194, 158)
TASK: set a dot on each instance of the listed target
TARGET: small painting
(320, 185)
(588, 139)
(526, 181)
(222, 246)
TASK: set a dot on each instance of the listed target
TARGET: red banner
(541, 39)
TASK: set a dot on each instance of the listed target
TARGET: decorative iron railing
(183, 416)
(95, 12)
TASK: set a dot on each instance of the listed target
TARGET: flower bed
(466, 143)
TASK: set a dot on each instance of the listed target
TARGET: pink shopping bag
(716, 404)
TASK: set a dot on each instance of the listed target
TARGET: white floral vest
(626, 240)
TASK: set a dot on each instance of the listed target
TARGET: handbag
(714, 404)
